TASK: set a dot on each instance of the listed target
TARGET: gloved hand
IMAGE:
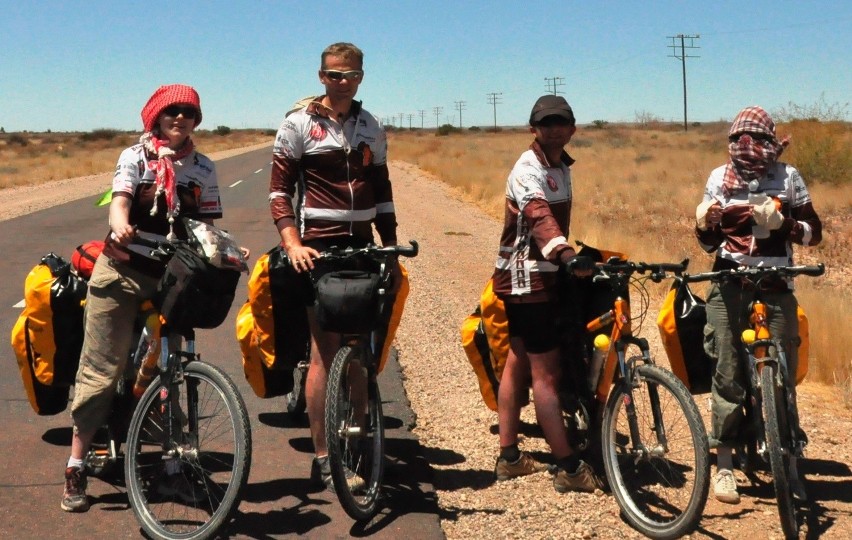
(768, 214)
(580, 264)
(707, 214)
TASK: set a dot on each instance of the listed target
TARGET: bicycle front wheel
(778, 445)
(188, 454)
(355, 434)
(655, 453)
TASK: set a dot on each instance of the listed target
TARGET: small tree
(223, 130)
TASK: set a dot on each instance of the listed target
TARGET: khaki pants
(116, 293)
(727, 317)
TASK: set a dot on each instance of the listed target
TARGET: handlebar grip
(409, 251)
(816, 270)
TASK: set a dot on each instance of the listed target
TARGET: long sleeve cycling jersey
(336, 175)
(732, 238)
(537, 219)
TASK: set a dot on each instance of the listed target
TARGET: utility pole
(494, 99)
(551, 84)
(422, 116)
(437, 111)
(401, 116)
(410, 117)
(459, 107)
(683, 56)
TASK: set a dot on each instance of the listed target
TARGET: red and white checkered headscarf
(750, 158)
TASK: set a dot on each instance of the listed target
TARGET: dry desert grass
(636, 188)
(32, 158)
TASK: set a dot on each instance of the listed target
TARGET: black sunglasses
(335, 75)
(188, 111)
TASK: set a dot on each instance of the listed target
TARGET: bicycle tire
(662, 491)
(214, 454)
(353, 448)
(777, 443)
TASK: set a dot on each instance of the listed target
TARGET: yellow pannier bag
(48, 335)
(272, 326)
(804, 345)
(485, 339)
(681, 322)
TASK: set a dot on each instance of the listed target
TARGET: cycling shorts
(535, 324)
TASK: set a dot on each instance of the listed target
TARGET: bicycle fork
(629, 377)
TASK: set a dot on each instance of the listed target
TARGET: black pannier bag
(193, 293)
(681, 322)
(347, 301)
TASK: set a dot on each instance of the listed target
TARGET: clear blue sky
(80, 65)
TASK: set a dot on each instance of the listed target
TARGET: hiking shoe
(725, 487)
(524, 465)
(180, 487)
(584, 479)
(74, 497)
(321, 469)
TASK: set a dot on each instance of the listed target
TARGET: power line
(683, 56)
(422, 116)
(552, 82)
(437, 111)
(459, 107)
(494, 99)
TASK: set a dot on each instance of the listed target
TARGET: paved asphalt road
(280, 501)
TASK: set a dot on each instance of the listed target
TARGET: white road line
(236, 183)
(20, 304)
(257, 171)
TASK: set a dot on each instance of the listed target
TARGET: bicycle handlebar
(344, 253)
(757, 272)
(625, 268)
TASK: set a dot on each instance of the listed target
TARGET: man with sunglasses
(160, 178)
(532, 246)
(329, 187)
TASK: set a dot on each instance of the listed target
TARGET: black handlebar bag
(193, 293)
(347, 301)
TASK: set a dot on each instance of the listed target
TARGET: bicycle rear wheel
(660, 472)
(201, 433)
(777, 433)
(354, 431)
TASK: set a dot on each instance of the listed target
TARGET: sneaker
(321, 468)
(725, 487)
(74, 497)
(180, 486)
(584, 479)
(524, 465)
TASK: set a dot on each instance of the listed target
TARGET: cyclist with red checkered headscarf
(755, 208)
(156, 181)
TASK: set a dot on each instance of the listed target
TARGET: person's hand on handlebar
(123, 234)
(302, 257)
(581, 265)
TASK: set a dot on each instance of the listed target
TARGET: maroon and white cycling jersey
(340, 171)
(538, 216)
(197, 190)
(732, 239)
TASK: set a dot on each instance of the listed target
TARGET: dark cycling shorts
(534, 324)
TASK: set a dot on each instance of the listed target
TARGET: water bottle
(599, 353)
(148, 351)
(756, 197)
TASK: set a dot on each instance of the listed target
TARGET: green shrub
(223, 130)
(17, 138)
(600, 124)
(446, 129)
(475, 129)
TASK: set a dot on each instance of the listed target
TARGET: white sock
(74, 462)
(724, 458)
